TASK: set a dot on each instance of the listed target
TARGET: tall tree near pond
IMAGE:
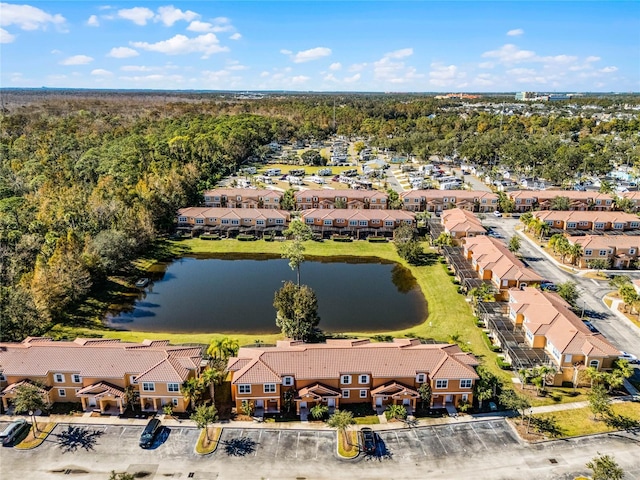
(298, 232)
(296, 311)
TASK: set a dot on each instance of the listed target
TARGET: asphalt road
(623, 334)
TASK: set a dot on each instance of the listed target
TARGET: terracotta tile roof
(236, 213)
(586, 216)
(459, 195)
(319, 390)
(245, 193)
(394, 389)
(101, 389)
(547, 314)
(357, 214)
(458, 220)
(332, 359)
(11, 388)
(328, 194)
(543, 195)
(94, 358)
(601, 242)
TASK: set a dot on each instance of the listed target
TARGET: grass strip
(33, 441)
(348, 444)
(205, 445)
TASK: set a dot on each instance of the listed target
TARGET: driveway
(621, 333)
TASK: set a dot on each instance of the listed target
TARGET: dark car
(590, 326)
(149, 433)
(368, 440)
(549, 286)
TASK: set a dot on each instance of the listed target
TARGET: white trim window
(182, 219)
(363, 394)
(148, 387)
(62, 392)
(595, 364)
(58, 378)
(442, 384)
(363, 379)
(173, 387)
(287, 381)
(75, 378)
(345, 393)
(174, 402)
(465, 383)
(269, 388)
(244, 388)
(421, 378)
(345, 379)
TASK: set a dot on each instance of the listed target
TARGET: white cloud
(592, 58)
(264, 74)
(138, 15)
(170, 15)
(357, 67)
(445, 75)
(6, 37)
(509, 53)
(166, 80)
(55, 51)
(137, 68)
(352, 79)
(236, 67)
(207, 44)
(77, 60)
(93, 21)
(122, 52)
(310, 55)
(608, 69)
(516, 32)
(297, 80)
(486, 65)
(335, 66)
(521, 71)
(330, 78)
(235, 36)
(100, 72)
(405, 52)
(286, 52)
(200, 27)
(27, 17)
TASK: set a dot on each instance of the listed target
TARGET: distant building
(526, 96)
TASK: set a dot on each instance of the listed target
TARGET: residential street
(621, 332)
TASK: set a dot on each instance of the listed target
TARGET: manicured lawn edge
(36, 442)
(202, 448)
(350, 450)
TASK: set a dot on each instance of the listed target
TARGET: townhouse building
(242, 198)
(620, 251)
(461, 223)
(440, 200)
(493, 261)
(634, 197)
(233, 220)
(96, 372)
(548, 323)
(589, 220)
(351, 371)
(529, 200)
(349, 199)
(356, 222)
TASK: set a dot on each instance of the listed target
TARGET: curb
(217, 433)
(39, 441)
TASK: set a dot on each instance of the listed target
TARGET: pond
(235, 295)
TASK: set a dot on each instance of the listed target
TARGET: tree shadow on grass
(239, 447)
(74, 438)
(621, 422)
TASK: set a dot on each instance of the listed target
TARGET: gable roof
(459, 220)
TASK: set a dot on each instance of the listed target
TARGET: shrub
(377, 239)
(267, 238)
(502, 364)
(341, 238)
(246, 238)
(210, 236)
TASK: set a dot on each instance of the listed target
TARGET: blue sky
(413, 46)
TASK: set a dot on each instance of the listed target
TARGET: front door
(259, 403)
(331, 402)
(303, 405)
(378, 401)
(92, 401)
(406, 402)
(449, 398)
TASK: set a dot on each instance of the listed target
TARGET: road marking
(317, 444)
(496, 433)
(438, 437)
(419, 442)
(597, 283)
(257, 443)
(124, 429)
(278, 444)
(479, 437)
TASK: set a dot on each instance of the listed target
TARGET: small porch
(8, 395)
(308, 397)
(394, 393)
(103, 396)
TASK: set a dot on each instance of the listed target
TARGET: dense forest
(89, 182)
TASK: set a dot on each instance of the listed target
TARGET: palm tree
(341, 420)
(192, 390)
(575, 250)
(398, 412)
(318, 411)
(555, 241)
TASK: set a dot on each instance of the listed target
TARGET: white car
(497, 214)
(628, 356)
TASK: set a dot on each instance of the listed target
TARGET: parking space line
(496, 433)
(255, 452)
(438, 437)
(278, 444)
(297, 444)
(479, 437)
(415, 432)
(317, 443)
(124, 429)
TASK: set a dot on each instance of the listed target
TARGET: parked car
(13, 431)
(368, 440)
(497, 214)
(552, 287)
(590, 326)
(150, 432)
(493, 407)
(631, 358)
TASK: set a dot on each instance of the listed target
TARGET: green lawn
(448, 312)
(580, 421)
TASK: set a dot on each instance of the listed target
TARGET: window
(633, 224)
(2, 377)
(363, 379)
(588, 253)
(235, 222)
(269, 388)
(225, 221)
(244, 388)
(363, 223)
(182, 219)
(246, 220)
(345, 393)
(132, 379)
(568, 358)
(76, 378)
(421, 378)
(259, 222)
(148, 387)
(58, 378)
(465, 383)
(309, 220)
(353, 223)
(279, 221)
(595, 364)
(465, 397)
(388, 223)
(345, 379)
(174, 402)
(363, 394)
(287, 381)
(632, 251)
(62, 392)
(599, 225)
(173, 387)
(618, 226)
(442, 383)
(571, 224)
(602, 253)
(328, 222)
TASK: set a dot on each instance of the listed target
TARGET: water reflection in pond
(200, 295)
